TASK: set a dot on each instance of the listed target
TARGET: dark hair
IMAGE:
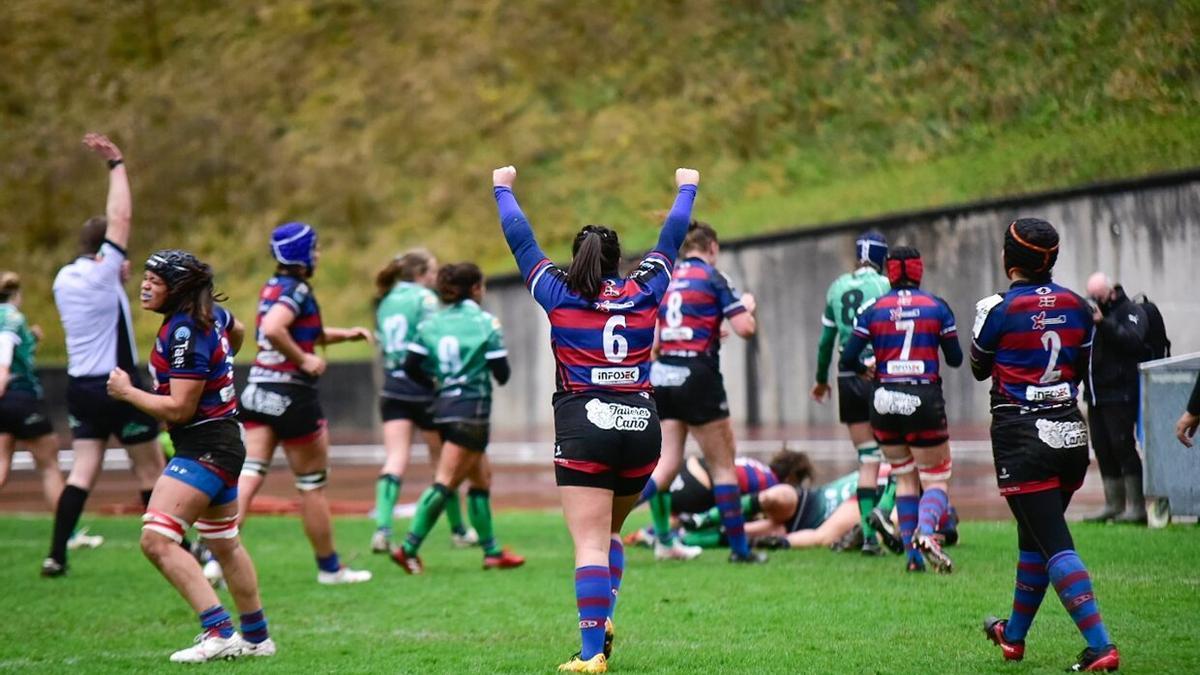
(791, 467)
(405, 267)
(454, 282)
(700, 237)
(10, 283)
(91, 235)
(1031, 248)
(189, 285)
(596, 253)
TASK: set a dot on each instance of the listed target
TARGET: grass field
(801, 613)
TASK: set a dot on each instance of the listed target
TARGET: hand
(869, 373)
(686, 177)
(724, 331)
(1185, 428)
(100, 144)
(119, 384)
(505, 176)
(312, 365)
(36, 331)
(749, 302)
(1097, 315)
(359, 334)
(820, 392)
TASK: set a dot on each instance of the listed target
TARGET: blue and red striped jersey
(184, 351)
(269, 364)
(697, 301)
(753, 476)
(600, 343)
(1036, 338)
(905, 327)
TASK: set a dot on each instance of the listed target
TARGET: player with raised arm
(192, 365)
(403, 301)
(94, 309)
(906, 326)
(689, 391)
(607, 435)
(23, 414)
(460, 347)
(1034, 342)
(279, 403)
(846, 295)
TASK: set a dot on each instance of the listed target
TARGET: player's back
(698, 299)
(397, 317)
(848, 294)
(458, 339)
(906, 327)
(753, 475)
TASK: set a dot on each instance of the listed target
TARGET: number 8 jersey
(849, 293)
(697, 301)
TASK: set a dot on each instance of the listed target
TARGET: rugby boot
(1114, 502)
(931, 548)
(871, 548)
(851, 541)
(676, 550)
(344, 575)
(411, 563)
(887, 531)
(640, 537)
(948, 530)
(596, 664)
(81, 539)
(53, 568)
(264, 648)
(610, 633)
(752, 558)
(506, 560)
(915, 564)
(770, 542)
(993, 628)
(1091, 660)
(381, 542)
(210, 646)
(467, 539)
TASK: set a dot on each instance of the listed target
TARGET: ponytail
(585, 273)
(407, 266)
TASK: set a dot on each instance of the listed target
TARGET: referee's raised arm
(119, 207)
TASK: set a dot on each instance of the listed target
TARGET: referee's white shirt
(94, 310)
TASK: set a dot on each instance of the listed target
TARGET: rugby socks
(66, 518)
(330, 563)
(1074, 586)
(216, 620)
(709, 538)
(454, 514)
(660, 511)
(479, 509)
(145, 495)
(593, 593)
(429, 507)
(616, 569)
(906, 509)
(887, 498)
(866, 502)
(750, 507)
(254, 627)
(729, 502)
(933, 505)
(1032, 581)
(647, 492)
(387, 490)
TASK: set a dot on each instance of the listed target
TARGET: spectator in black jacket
(1185, 428)
(1112, 393)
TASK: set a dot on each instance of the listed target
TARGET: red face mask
(909, 269)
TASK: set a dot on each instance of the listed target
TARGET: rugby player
(94, 311)
(462, 348)
(23, 414)
(192, 366)
(905, 327)
(279, 403)
(607, 435)
(690, 393)
(403, 301)
(1034, 341)
(846, 295)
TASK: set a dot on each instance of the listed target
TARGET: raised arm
(119, 207)
(517, 231)
(675, 227)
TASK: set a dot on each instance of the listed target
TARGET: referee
(95, 316)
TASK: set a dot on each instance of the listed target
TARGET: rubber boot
(1114, 501)
(1135, 511)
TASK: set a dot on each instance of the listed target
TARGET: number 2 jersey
(306, 329)
(906, 326)
(183, 350)
(1034, 341)
(697, 301)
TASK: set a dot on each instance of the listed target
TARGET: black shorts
(292, 411)
(909, 414)
(391, 409)
(1037, 451)
(216, 444)
(854, 399)
(23, 414)
(689, 390)
(810, 510)
(93, 414)
(688, 492)
(463, 421)
(606, 440)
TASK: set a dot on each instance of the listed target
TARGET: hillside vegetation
(379, 122)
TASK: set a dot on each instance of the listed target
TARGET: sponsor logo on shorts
(665, 375)
(617, 416)
(34, 418)
(906, 367)
(134, 429)
(895, 402)
(1059, 435)
(73, 422)
(265, 402)
(615, 375)
(1058, 392)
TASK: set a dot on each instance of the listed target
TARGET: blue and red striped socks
(216, 620)
(728, 499)
(1032, 581)
(616, 570)
(1074, 586)
(932, 507)
(593, 595)
(906, 511)
(254, 626)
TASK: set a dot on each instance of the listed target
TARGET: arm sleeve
(1193, 406)
(850, 363)
(825, 352)
(727, 296)
(496, 354)
(414, 365)
(188, 353)
(675, 227)
(500, 369)
(986, 335)
(949, 337)
(531, 260)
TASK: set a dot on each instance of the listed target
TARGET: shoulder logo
(1044, 290)
(610, 289)
(182, 333)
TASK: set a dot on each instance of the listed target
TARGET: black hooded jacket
(1118, 348)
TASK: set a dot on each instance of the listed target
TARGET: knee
(154, 546)
(161, 532)
(308, 483)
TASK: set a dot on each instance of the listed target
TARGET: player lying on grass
(606, 428)
(192, 366)
(457, 351)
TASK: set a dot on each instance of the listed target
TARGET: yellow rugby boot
(596, 664)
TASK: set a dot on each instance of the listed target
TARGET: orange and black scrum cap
(1030, 245)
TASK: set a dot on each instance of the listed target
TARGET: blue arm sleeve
(675, 227)
(952, 350)
(849, 363)
(518, 233)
